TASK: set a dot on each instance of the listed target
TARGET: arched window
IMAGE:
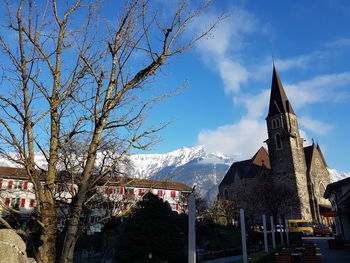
(321, 189)
(278, 141)
(278, 123)
(226, 194)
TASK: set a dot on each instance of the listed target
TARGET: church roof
(279, 102)
(247, 168)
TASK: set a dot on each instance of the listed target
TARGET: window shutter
(32, 202)
(25, 186)
(173, 194)
(140, 191)
(7, 201)
(121, 190)
(160, 192)
(177, 207)
(10, 184)
(106, 190)
(23, 202)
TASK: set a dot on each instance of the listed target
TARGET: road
(329, 255)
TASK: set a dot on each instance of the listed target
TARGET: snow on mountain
(192, 166)
(337, 175)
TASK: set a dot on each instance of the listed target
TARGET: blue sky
(228, 78)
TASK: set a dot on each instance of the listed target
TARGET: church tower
(286, 148)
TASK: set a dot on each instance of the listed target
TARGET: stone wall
(12, 248)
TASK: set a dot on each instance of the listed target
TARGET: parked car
(322, 230)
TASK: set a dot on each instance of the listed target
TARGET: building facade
(302, 169)
(112, 197)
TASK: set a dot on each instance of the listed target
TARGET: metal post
(244, 237)
(265, 234)
(287, 231)
(273, 232)
(191, 229)
(281, 231)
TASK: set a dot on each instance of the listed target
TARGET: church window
(321, 189)
(226, 194)
(278, 141)
(276, 123)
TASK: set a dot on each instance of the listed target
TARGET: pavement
(330, 255)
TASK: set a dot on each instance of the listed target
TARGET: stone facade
(301, 168)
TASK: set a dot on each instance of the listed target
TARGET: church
(302, 169)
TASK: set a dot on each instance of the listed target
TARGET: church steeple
(279, 102)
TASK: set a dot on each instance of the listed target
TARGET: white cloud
(226, 40)
(232, 74)
(341, 42)
(315, 126)
(240, 140)
(320, 88)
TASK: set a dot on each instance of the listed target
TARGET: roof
(247, 168)
(21, 174)
(13, 173)
(279, 102)
(146, 183)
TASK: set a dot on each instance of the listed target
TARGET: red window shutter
(140, 191)
(160, 192)
(177, 207)
(106, 190)
(32, 202)
(23, 202)
(110, 191)
(7, 201)
(10, 184)
(121, 190)
(173, 194)
(25, 185)
(0, 184)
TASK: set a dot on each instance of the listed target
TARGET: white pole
(281, 231)
(265, 234)
(273, 232)
(191, 229)
(244, 237)
(287, 231)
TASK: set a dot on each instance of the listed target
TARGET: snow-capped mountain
(337, 175)
(192, 166)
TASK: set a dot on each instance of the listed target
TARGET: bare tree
(67, 75)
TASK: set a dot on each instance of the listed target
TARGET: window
(25, 185)
(32, 203)
(173, 193)
(160, 193)
(278, 141)
(275, 123)
(23, 202)
(7, 201)
(226, 194)
(141, 191)
(10, 184)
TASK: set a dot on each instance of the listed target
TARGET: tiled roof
(146, 183)
(20, 173)
(247, 168)
(279, 102)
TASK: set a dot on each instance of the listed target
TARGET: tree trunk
(47, 251)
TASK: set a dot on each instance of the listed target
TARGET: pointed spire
(279, 102)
